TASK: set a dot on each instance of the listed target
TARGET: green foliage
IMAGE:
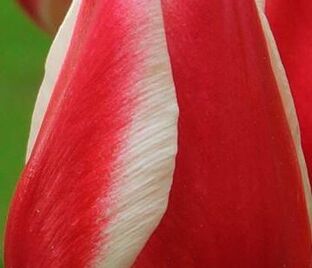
(23, 49)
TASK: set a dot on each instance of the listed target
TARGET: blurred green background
(23, 48)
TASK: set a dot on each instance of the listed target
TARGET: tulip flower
(113, 179)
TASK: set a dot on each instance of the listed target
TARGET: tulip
(105, 143)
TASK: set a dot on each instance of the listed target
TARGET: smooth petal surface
(291, 23)
(98, 177)
(238, 197)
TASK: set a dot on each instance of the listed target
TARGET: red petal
(291, 23)
(237, 198)
(97, 181)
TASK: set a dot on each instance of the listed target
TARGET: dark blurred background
(23, 49)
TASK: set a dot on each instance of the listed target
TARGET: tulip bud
(102, 148)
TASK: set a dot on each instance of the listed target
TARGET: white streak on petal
(53, 67)
(260, 4)
(288, 103)
(140, 193)
(149, 157)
